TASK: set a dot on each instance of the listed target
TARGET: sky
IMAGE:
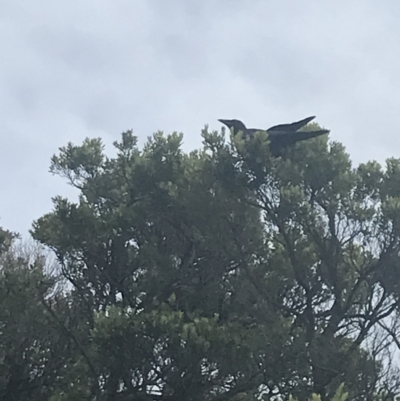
(76, 69)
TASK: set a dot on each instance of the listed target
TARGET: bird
(280, 136)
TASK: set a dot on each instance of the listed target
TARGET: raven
(280, 136)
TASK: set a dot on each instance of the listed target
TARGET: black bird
(280, 136)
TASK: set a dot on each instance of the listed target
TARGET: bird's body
(280, 136)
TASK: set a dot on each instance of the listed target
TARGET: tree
(334, 233)
(28, 343)
(225, 273)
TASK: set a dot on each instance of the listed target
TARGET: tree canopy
(222, 274)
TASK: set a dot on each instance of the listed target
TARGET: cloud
(78, 69)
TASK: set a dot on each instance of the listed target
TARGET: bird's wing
(293, 127)
(282, 140)
(293, 137)
(302, 135)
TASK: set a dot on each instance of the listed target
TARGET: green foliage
(31, 346)
(340, 395)
(223, 274)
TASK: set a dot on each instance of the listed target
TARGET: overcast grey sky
(72, 69)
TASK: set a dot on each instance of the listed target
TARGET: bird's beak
(224, 121)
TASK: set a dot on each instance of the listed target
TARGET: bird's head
(237, 125)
